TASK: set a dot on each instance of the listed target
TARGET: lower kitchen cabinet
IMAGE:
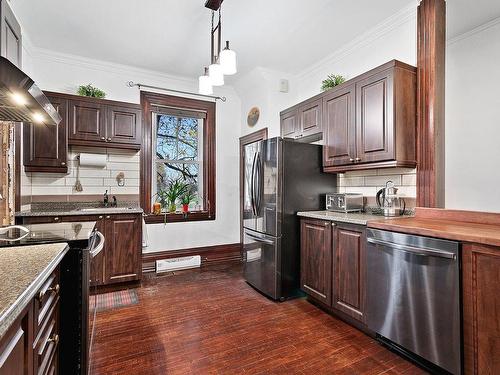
(349, 263)
(31, 345)
(123, 248)
(333, 265)
(481, 305)
(316, 259)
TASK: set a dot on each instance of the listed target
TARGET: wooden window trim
(148, 100)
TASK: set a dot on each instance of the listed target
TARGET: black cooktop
(77, 232)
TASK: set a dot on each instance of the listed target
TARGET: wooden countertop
(477, 227)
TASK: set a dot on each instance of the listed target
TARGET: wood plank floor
(211, 322)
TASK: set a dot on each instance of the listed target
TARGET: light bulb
(227, 60)
(38, 117)
(216, 75)
(205, 84)
(18, 99)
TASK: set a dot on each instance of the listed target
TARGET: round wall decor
(253, 116)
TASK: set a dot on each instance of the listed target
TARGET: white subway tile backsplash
(94, 180)
(365, 190)
(389, 171)
(368, 172)
(381, 180)
(409, 179)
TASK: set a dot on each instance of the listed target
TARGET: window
(178, 146)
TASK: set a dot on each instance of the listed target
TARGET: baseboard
(227, 253)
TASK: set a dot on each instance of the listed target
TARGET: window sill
(178, 217)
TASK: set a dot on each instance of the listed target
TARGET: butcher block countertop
(465, 226)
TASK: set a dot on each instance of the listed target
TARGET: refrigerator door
(266, 187)
(249, 208)
(262, 260)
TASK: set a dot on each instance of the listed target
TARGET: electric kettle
(389, 202)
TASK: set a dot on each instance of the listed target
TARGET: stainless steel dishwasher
(413, 297)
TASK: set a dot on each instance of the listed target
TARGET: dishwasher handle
(422, 251)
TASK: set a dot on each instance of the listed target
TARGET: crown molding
(385, 27)
(474, 31)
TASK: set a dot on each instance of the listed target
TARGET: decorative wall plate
(253, 116)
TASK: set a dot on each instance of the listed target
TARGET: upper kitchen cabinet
(370, 121)
(10, 35)
(102, 123)
(303, 120)
(45, 146)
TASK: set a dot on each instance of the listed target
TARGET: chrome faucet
(106, 199)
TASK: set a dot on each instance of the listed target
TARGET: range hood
(20, 98)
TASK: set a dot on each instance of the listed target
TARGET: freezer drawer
(262, 259)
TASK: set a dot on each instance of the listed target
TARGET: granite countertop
(360, 218)
(24, 269)
(78, 209)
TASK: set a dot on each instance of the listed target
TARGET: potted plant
(169, 197)
(91, 91)
(186, 199)
(331, 81)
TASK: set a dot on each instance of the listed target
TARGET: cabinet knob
(100, 217)
(54, 338)
(56, 219)
(103, 138)
(109, 139)
(358, 159)
(351, 160)
(63, 163)
(108, 217)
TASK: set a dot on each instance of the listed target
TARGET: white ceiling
(172, 36)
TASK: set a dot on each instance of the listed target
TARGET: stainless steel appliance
(20, 98)
(389, 201)
(344, 202)
(413, 296)
(281, 178)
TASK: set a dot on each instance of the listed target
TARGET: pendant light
(216, 75)
(205, 84)
(227, 60)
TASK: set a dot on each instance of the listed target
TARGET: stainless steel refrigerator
(282, 177)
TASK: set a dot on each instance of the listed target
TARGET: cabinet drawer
(46, 343)
(45, 300)
(41, 219)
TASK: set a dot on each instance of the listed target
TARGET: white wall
(473, 120)
(64, 73)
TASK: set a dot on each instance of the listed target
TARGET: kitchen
(228, 242)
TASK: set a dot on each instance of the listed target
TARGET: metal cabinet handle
(54, 338)
(103, 138)
(100, 217)
(108, 217)
(55, 289)
(358, 159)
(351, 160)
(56, 219)
(109, 139)
(63, 163)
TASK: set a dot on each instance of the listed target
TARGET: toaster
(344, 202)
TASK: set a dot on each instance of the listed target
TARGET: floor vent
(176, 264)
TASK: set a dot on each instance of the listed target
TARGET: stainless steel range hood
(20, 98)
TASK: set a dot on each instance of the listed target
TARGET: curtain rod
(139, 85)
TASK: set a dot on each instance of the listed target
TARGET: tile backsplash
(36, 187)
(370, 181)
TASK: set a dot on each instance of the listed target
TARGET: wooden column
(431, 44)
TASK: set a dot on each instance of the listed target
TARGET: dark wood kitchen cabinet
(124, 125)
(289, 123)
(370, 121)
(87, 121)
(302, 121)
(349, 269)
(15, 356)
(123, 248)
(339, 145)
(316, 259)
(481, 306)
(45, 147)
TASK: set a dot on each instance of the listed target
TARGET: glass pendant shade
(216, 75)
(227, 60)
(205, 84)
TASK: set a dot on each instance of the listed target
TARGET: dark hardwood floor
(210, 321)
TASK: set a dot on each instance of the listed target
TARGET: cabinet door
(123, 248)
(339, 128)
(349, 272)
(87, 121)
(45, 146)
(14, 347)
(289, 124)
(123, 125)
(11, 43)
(316, 259)
(375, 118)
(310, 118)
(481, 304)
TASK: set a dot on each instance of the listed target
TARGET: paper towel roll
(93, 160)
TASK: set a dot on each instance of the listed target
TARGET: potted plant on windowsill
(186, 199)
(168, 198)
